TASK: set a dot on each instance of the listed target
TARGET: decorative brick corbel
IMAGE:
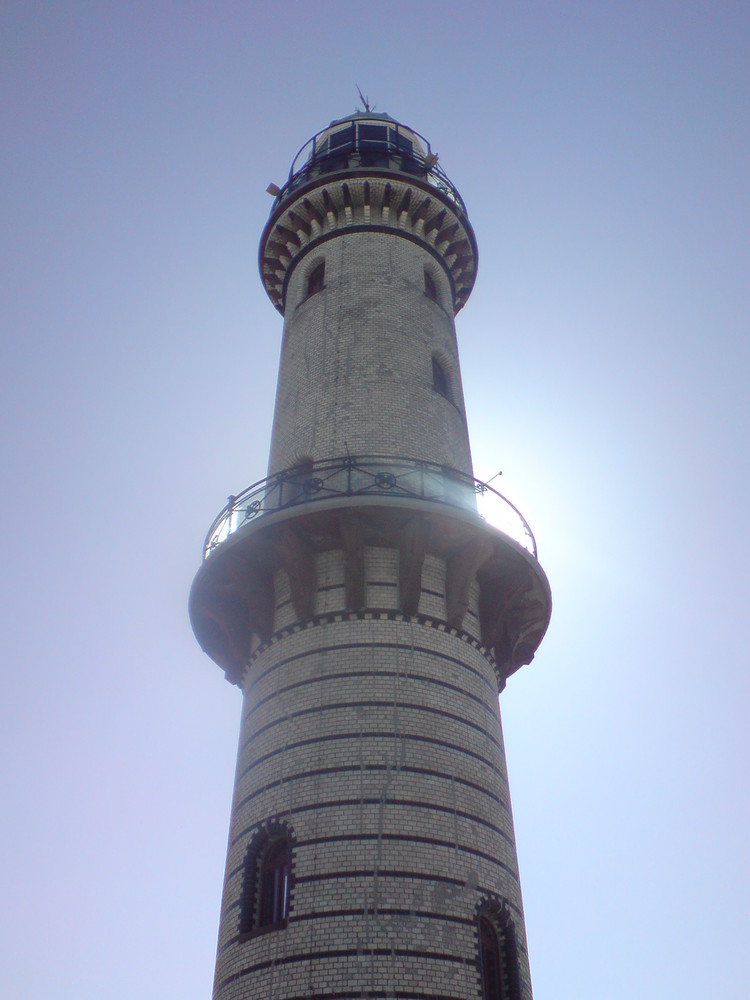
(462, 568)
(412, 545)
(299, 562)
(352, 542)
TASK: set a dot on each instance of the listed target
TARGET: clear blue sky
(602, 150)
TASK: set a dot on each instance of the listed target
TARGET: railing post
(231, 501)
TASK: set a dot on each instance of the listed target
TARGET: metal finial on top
(365, 100)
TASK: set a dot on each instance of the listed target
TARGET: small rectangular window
(430, 288)
(373, 136)
(440, 379)
(402, 144)
(342, 140)
(316, 279)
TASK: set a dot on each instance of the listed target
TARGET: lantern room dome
(369, 141)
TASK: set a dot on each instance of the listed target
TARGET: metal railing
(368, 475)
(351, 147)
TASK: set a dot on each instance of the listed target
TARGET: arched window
(498, 955)
(267, 881)
(489, 948)
(275, 872)
(316, 279)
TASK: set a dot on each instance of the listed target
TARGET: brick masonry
(372, 737)
(377, 740)
(356, 358)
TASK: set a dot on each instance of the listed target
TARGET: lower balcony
(368, 476)
(355, 505)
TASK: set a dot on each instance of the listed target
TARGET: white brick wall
(375, 738)
(356, 359)
(378, 742)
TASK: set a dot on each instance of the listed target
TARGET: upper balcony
(367, 172)
(368, 141)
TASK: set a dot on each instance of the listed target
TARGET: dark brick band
(334, 617)
(437, 956)
(367, 768)
(413, 803)
(397, 838)
(369, 735)
(338, 706)
(399, 647)
(352, 674)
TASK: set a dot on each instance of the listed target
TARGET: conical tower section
(370, 609)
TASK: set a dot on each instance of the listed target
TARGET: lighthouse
(370, 597)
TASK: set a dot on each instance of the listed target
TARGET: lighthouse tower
(370, 597)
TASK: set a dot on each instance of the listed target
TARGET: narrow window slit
(440, 379)
(430, 288)
(316, 279)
